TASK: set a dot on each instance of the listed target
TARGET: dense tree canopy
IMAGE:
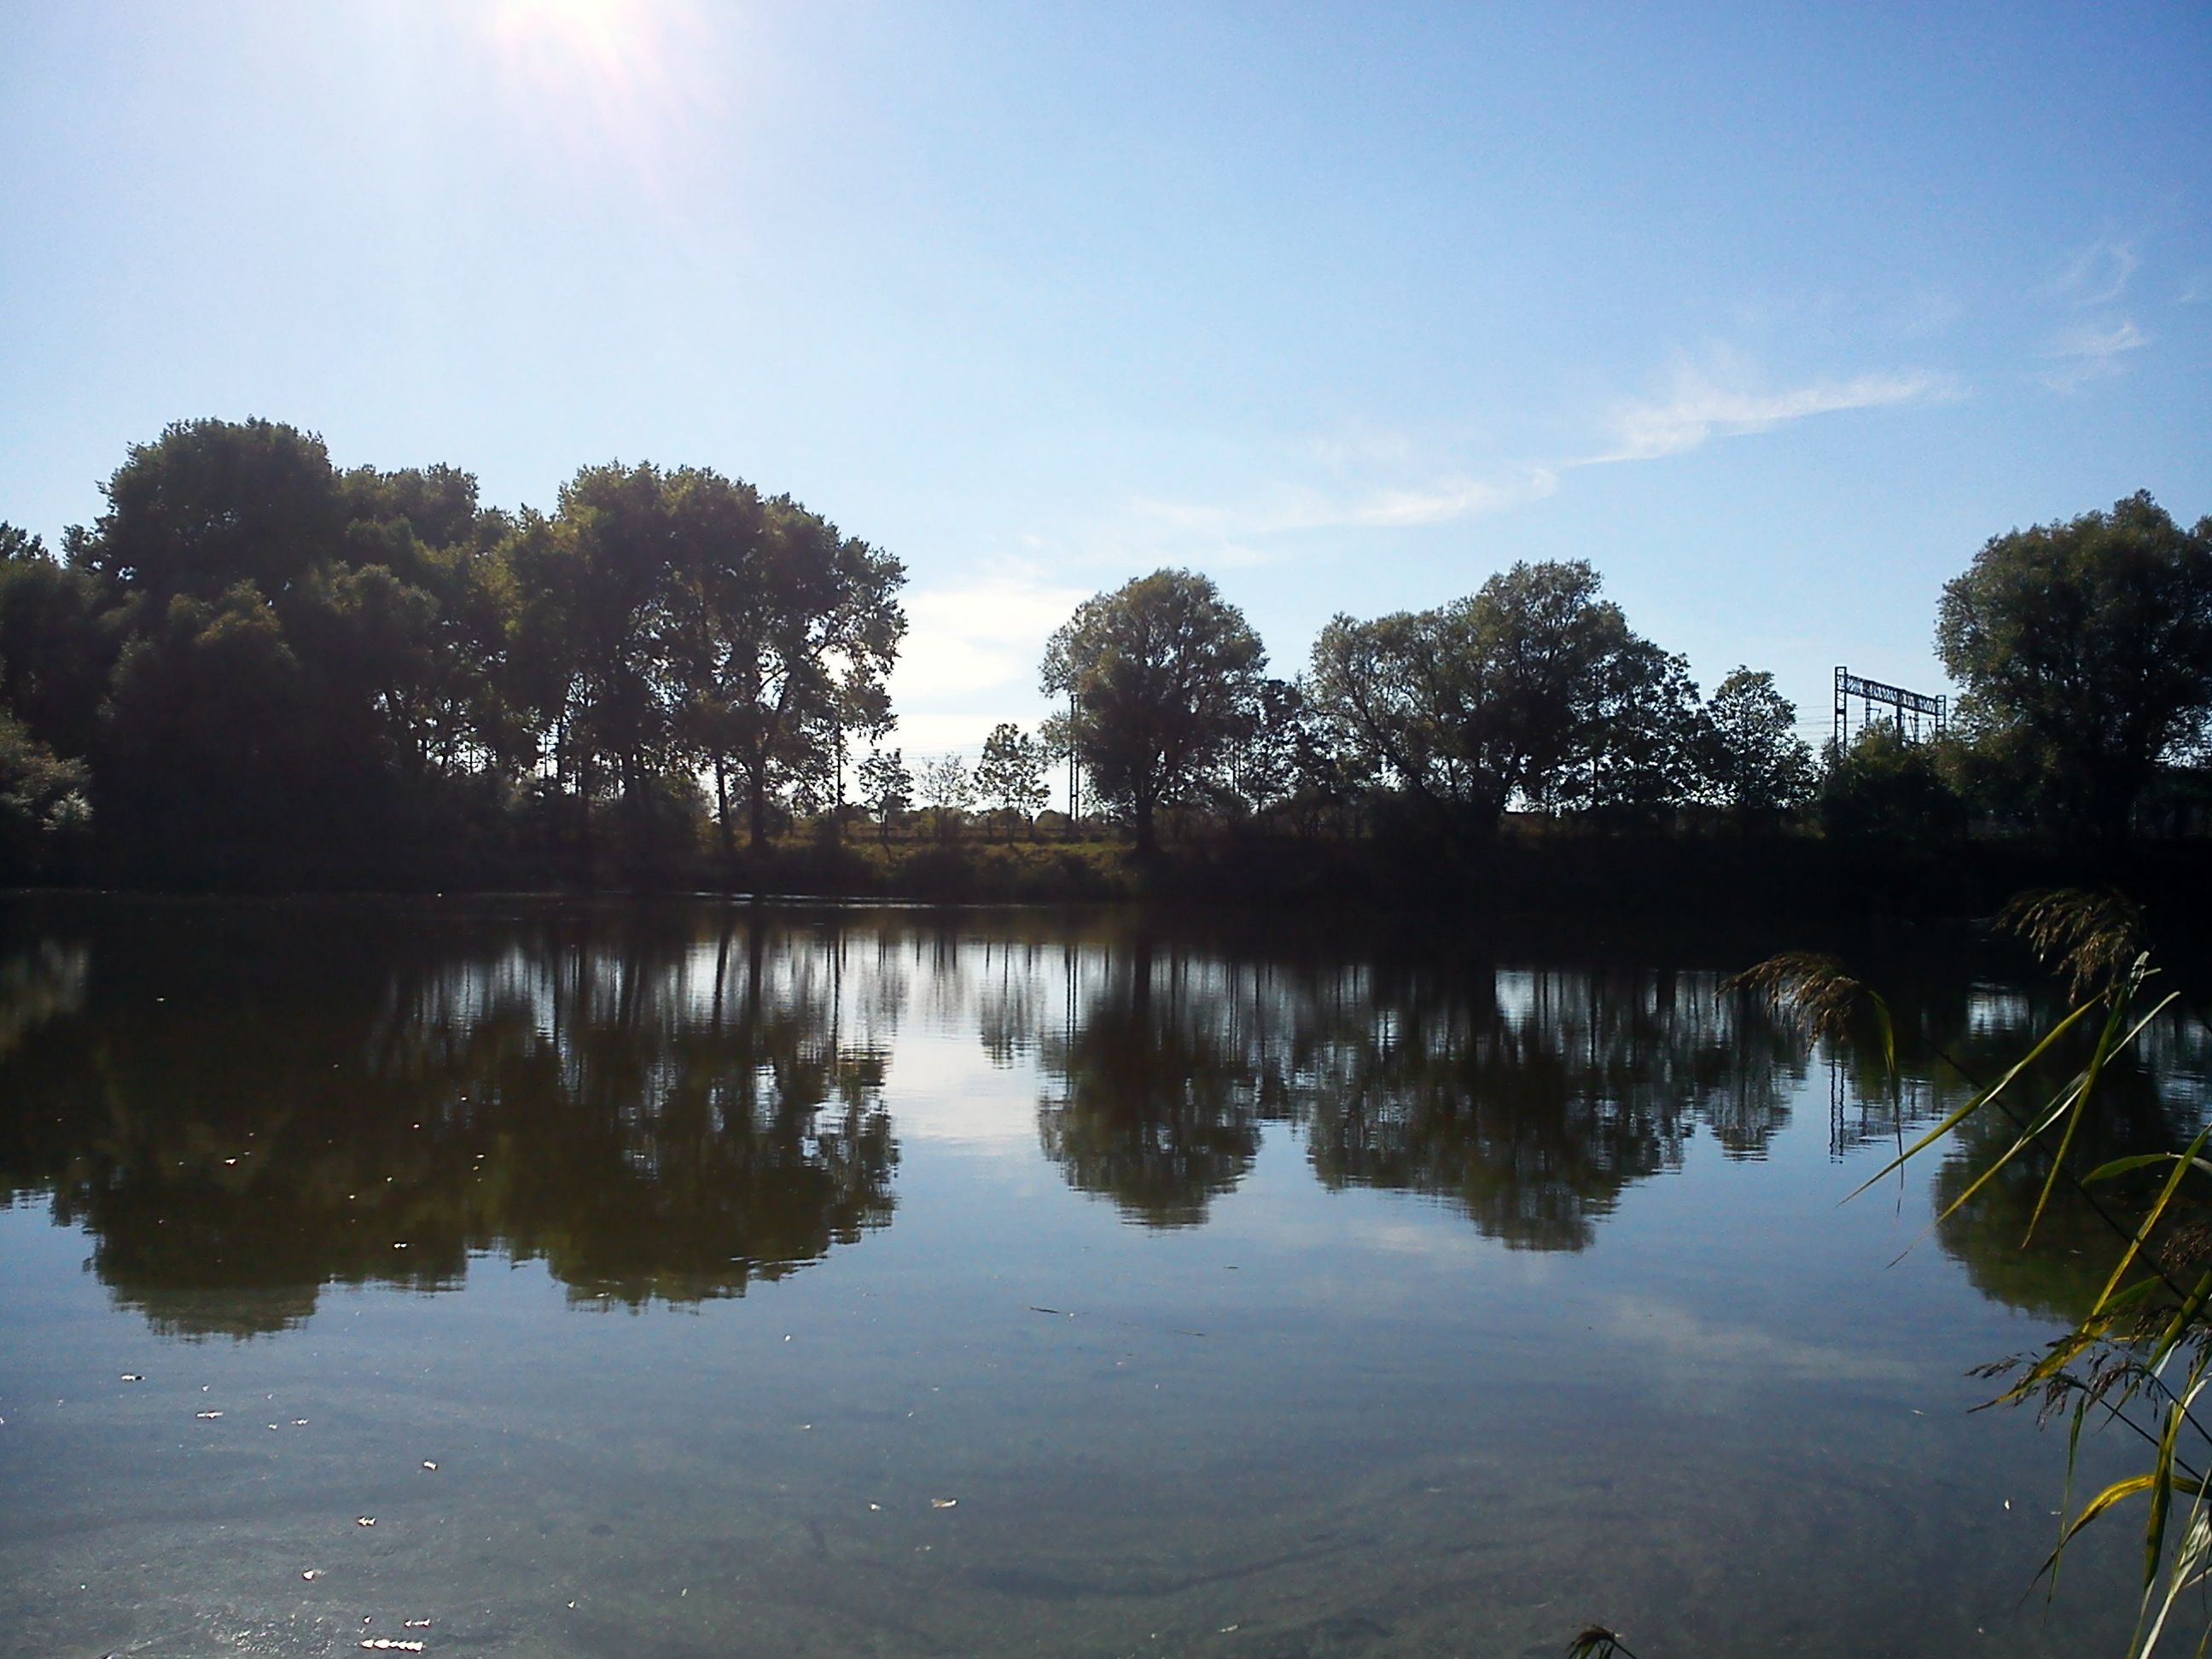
(1535, 689)
(2085, 648)
(1162, 672)
(272, 669)
(1757, 761)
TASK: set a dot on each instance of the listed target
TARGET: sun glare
(599, 30)
(606, 77)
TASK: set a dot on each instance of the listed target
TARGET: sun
(624, 79)
(590, 29)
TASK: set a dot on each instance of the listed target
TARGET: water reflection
(1956, 1033)
(653, 1114)
(1528, 1099)
(242, 1105)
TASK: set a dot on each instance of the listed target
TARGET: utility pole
(1074, 778)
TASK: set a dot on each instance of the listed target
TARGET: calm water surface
(698, 1279)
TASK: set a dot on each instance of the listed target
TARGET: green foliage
(1887, 785)
(1757, 762)
(2086, 650)
(949, 791)
(42, 808)
(210, 504)
(1163, 671)
(886, 788)
(1011, 772)
(56, 648)
(271, 667)
(268, 665)
(1534, 690)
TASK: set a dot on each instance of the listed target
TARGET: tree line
(255, 659)
(256, 664)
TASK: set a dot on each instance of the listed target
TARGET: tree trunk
(722, 808)
(759, 810)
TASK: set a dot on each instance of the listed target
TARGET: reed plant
(2139, 1360)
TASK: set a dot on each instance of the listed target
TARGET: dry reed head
(1807, 984)
(1596, 1642)
(2093, 938)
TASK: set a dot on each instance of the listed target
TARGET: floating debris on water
(945, 1503)
(391, 1645)
(414, 1624)
(429, 1465)
(312, 1574)
(207, 1416)
(364, 1519)
(134, 1376)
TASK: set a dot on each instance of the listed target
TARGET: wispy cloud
(1700, 408)
(1445, 497)
(1720, 1353)
(2098, 275)
(1379, 481)
(2092, 351)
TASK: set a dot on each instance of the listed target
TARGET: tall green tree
(1011, 772)
(596, 634)
(886, 788)
(948, 790)
(1163, 672)
(57, 644)
(207, 760)
(797, 628)
(1640, 752)
(1756, 762)
(210, 504)
(2085, 648)
(1516, 693)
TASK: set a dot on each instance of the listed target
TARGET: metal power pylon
(1911, 707)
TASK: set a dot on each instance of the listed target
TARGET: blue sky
(1775, 314)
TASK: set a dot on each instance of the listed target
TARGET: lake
(561, 1277)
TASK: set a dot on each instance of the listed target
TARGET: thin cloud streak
(1700, 410)
(2093, 351)
(1446, 498)
(2098, 274)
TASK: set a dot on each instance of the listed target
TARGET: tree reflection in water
(654, 1112)
(241, 1103)
(1527, 1098)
